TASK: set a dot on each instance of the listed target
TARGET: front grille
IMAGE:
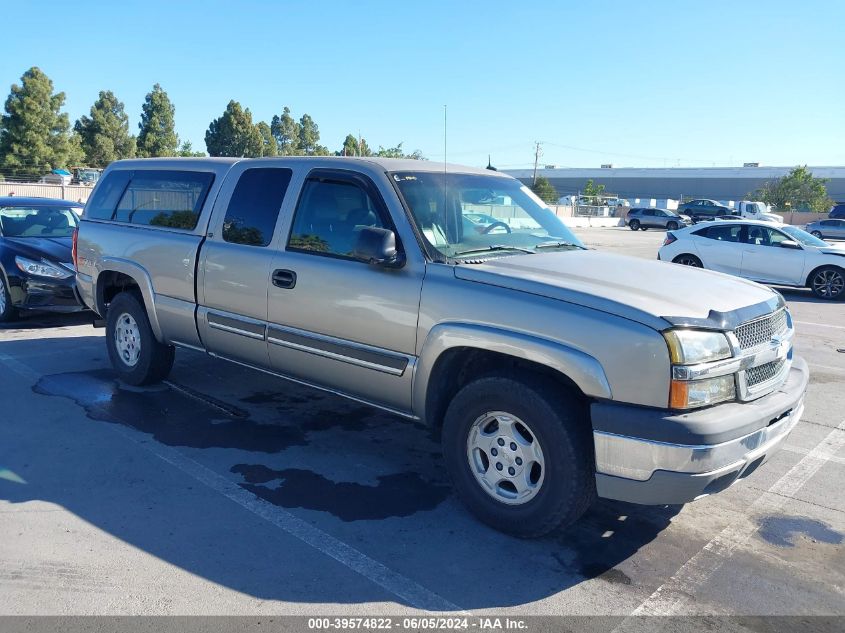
(763, 373)
(762, 330)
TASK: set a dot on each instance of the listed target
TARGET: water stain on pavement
(397, 495)
(782, 531)
(172, 416)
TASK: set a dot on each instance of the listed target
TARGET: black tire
(8, 311)
(688, 260)
(558, 422)
(154, 360)
(643, 228)
(818, 234)
(672, 226)
(828, 282)
(634, 224)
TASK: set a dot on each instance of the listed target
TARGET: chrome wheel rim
(2, 296)
(505, 458)
(127, 339)
(688, 261)
(828, 283)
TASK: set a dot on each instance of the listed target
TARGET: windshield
(35, 221)
(477, 213)
(803, 237)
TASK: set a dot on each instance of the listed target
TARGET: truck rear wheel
(136, 355)
(520, 454)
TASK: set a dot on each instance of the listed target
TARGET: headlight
(688, 347)
(700, 393)
(42, 269)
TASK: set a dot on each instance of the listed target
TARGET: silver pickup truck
(552, 373)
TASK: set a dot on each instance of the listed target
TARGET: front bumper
(657, 472)
(46, 295)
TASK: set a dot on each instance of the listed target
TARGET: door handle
(283, 278)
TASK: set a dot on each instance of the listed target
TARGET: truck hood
(657, 294)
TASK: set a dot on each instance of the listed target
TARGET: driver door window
(330, 216)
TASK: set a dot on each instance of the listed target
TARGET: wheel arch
(115, 276)
(453, 354)
(808, 280)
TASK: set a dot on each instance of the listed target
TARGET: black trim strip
(394, 363)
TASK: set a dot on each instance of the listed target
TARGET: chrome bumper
(654, 472)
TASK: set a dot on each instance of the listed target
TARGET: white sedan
(781, 255)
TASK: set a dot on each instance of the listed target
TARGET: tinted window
(762, 236)
(254, 207)
(828, 222)
(722, 233)
(648, 212)
(164, 198)
(330, 215)
(102, 204)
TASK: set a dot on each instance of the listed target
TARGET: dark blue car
(36, 267)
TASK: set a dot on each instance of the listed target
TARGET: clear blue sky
(636, 83)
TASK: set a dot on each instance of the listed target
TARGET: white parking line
(814, 365)
(404, 588)
(835, 327)
(678, 594)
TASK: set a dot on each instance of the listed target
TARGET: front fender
(581, 368)
(141, 277)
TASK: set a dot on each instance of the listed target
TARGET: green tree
(353, 146)
(233, 134)
(350, 146)
(309, 135)
(593, 192)
(398, 152)
(157, 135)
(105, 134)
(186, 150)
(268, 143)
(285, 130)
(799, 190)
(545, 191)
(35, 135)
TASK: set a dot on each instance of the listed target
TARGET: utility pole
(536, 160)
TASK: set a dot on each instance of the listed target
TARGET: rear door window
(722, 233)
(255, 204)
(151, 197)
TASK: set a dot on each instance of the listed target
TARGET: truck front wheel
(136, 355)
(520, 454)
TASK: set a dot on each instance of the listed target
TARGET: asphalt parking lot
(226, 491)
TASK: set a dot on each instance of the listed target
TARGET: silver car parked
(653, 218)
(827, 229)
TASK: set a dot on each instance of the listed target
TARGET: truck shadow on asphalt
(364, 476)
(44, 320)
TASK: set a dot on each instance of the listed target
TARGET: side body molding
(584, 370)
(140, 275)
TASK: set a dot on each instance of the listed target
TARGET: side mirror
(378, 246)
(790, 244)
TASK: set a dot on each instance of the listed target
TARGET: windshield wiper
(494, 247)
(559, 244)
